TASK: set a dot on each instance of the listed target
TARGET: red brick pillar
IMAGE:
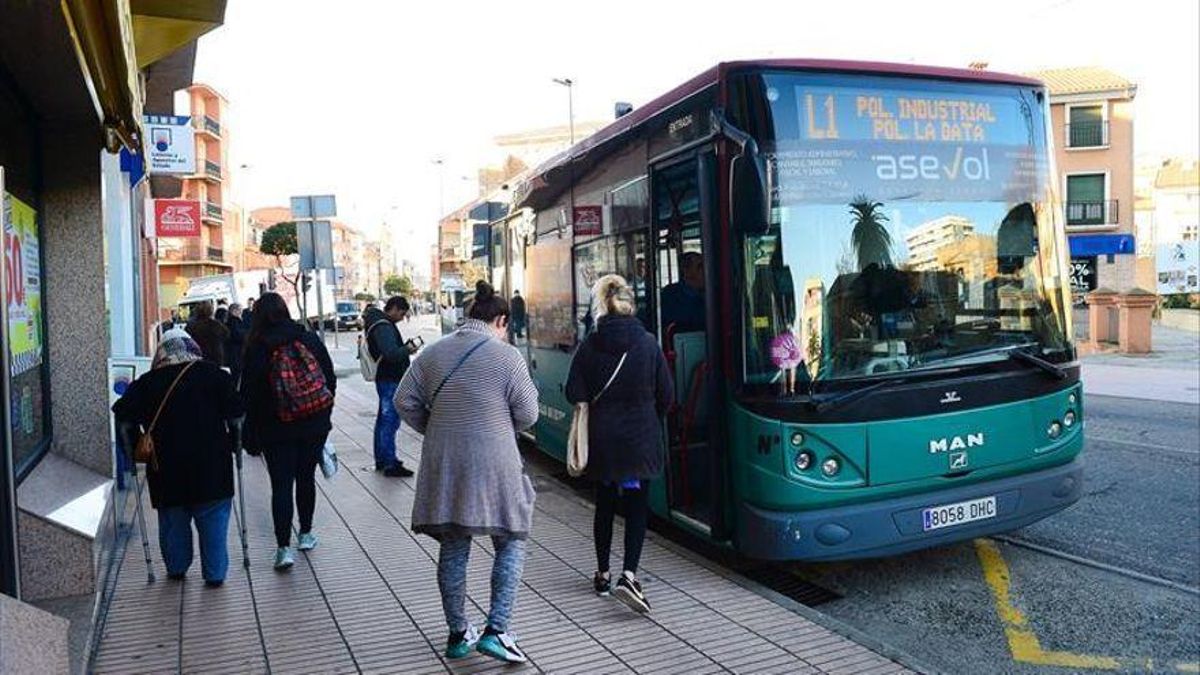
(1100, 302)
(1136, 308)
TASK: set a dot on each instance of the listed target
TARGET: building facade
(219, 248)
(1092, 113)
(1172, 214)
(78, 281)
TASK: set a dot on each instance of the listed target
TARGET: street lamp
(570, 85)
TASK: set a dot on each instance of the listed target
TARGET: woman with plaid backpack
(288, 384)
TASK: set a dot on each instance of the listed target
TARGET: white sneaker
(307, 541)
(284, 558)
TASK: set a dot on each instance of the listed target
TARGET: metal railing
(1087, 134)
(1092, 212)
(215, 253)
(212, 169)
(213, 211)
(206, 123)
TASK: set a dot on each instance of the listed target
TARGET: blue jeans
(175, 537)
(387, 424)
(453, 557)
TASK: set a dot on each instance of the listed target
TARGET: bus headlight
(1072, 399)
(804, 460)
(1069, 419)
(830, 467)
(797, 439)
(1054, 430)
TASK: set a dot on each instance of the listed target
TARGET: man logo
(956, 443)
(958, 460)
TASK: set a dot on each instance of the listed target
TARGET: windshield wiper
(1057, 372)
(1017, 352)
(826, 404)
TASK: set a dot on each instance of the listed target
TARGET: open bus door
(684, 208)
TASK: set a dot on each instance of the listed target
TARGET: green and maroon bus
(871, 344)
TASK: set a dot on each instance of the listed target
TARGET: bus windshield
(911, 228)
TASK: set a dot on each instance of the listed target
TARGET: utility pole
(570, 85)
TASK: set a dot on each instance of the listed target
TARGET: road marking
(1023, 643)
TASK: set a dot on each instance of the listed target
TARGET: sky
(358, 97)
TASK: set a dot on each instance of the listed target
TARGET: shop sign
(170, 145)
(1083, 275)
(588, 220)
(177, 217)
(22, 288)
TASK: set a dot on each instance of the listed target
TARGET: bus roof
(539, 178)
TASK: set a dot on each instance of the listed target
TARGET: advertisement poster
(23, 293)
(1178, 266)
(170, 145)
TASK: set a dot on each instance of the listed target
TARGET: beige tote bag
(577, 439)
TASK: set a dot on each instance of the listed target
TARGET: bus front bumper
(893, 526)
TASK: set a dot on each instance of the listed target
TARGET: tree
(363, 296)
(870, 238)
(397, 285)
(280, 241)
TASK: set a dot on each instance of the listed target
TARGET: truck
(239, 287)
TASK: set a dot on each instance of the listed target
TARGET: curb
(816, 616)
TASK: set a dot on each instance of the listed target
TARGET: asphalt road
(950, 607)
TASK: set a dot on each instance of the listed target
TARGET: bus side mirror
(748, 190)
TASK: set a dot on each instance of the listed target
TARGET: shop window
(25, 334)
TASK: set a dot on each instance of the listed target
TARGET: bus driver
(683, 301)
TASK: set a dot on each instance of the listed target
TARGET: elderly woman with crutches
(180, 420)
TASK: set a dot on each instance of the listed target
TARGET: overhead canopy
(115, 39)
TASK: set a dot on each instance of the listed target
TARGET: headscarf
(176, 349)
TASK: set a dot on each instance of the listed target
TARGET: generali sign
(176, 218)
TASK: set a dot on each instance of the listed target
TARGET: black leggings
(637, 510)
(293, 465)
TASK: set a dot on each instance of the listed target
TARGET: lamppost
(242, 221)
(570, 85)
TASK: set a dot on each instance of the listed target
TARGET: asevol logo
(973, 167)
(956, 443)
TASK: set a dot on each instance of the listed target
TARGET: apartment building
(219, 246)
(1092, 114)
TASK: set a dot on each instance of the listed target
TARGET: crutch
(236, 428)
(128, 435)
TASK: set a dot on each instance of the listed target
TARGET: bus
(858, 274)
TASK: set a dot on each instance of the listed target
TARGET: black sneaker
(629, 591)
(398, 471)
(602, 584)
(380, 466)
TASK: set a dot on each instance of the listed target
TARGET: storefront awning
(1085, 245)
(115, 39)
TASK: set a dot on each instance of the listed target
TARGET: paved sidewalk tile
(366, 600)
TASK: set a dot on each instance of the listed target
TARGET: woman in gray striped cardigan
(469, 393)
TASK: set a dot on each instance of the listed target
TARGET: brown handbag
(144, 452)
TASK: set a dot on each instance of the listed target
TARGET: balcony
(213, 213)
(1092, 213)
(1087, 134)
(206, 124)
(215, 254)
(212, 170)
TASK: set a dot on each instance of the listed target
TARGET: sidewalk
(366, 600)
(1171, 372)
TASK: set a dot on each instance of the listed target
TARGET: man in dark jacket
(235, 344)
(209, 333)
(387, 346)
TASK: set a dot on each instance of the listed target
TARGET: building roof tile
(1082, 80)
(1178, 173)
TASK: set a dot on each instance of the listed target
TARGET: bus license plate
(947, 515)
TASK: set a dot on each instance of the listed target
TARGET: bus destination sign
(908, 144)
